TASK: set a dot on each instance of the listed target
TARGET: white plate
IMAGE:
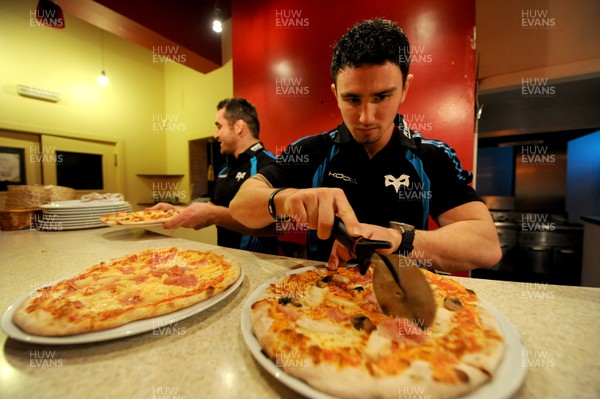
(508, 377)
(78, 204)
(86, 211)
(133, 328)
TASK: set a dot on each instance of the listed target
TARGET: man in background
(238, 129)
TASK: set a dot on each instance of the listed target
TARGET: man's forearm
(222, 217)
(250, 205)
(460, 246)
(467, 240)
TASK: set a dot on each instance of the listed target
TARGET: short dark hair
(240, 108)
(371, 42)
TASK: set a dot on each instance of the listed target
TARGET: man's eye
(380, 97)
(353, 100)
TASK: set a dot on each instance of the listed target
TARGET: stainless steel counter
(205, 355)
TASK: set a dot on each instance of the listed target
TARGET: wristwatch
(408, 236)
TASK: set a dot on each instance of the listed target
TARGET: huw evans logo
(290, 359)
(416, 55)
(167, 123)
(537, 87)
(537, 358)
(44, 154)
(292, 156)
(49, 17)
(414, 192)
(537, 19)
(417, 122)
(537, 155)
(164, 191)
(170, 53)
(291, 19)
(534, 222)
(291, 87)
(44, 358)
(167, 392)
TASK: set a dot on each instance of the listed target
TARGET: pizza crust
(357, 383)
(492, 353)
(131, 218)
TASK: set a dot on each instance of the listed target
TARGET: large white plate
(507, 379)
(86, 211)
(133, 328)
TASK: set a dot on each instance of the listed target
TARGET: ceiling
(155, 24)
(506, 53)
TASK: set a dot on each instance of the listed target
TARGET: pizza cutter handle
(363, 248)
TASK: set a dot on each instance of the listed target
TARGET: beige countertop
(205, 356)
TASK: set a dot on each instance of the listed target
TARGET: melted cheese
(327, 335)
(106, 288)
(314, 296)
(378, 345)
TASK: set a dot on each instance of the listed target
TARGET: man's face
(368, 98)
(226, 133)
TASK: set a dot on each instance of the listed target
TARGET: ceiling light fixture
(50, 14)
(102, 79)
(217, 24)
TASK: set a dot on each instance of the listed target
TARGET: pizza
(142, 285)
(148, 216)
(326, 328)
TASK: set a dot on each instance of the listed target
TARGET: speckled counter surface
(205, 356)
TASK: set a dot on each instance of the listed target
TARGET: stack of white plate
(76, 214)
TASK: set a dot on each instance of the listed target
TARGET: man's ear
(406, 86)
(238, 126)
(334, 90)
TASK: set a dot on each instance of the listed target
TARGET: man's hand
(317, 208)
(197, 215)
(340, 254)
(163, 206)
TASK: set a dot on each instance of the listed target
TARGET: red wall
(282, 52)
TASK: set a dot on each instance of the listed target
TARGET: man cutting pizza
(238, 129)
(381, 178)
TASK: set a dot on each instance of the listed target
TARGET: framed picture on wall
(12, 167)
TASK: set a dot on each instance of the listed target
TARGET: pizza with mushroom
(326, 328)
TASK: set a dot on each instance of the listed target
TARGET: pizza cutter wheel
(400, 287)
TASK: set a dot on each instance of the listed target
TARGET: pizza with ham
(148, 216)
(142, 285)
(326, 328)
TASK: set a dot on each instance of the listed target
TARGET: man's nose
(367, 113)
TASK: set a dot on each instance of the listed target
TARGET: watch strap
(406, 246)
